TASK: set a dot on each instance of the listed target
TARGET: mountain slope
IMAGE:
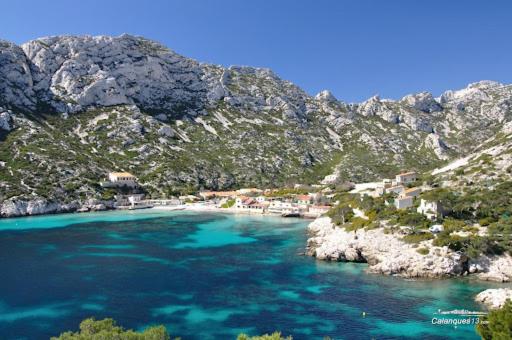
(74, 108)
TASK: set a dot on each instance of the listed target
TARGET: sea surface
(205, 276)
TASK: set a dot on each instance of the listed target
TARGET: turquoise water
(205, 276)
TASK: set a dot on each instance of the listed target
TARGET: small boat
(140, 206)
(290, 214)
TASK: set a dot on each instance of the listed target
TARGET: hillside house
(398, 190)
(431, 209)
(122, 179)
(403, 202)
(406, 177)
(412, 192)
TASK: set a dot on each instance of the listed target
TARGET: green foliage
(409, 218)
(340, 214)
(423, 251)
(497, 324)
(107, 329)
(417, 237)
(273, 336)
(229, 203)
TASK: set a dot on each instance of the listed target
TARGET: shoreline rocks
(494, 298)
(41, 206)
(388, 254)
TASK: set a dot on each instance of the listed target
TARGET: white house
(431, 209)
(277, 207)
(399, 189)
(406, 177)
(304, 199)
(403, 202)
(122, 178)
(412, 192)
(261, 199)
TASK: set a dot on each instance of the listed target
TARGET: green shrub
(423, 251)
(497, 324)
(273, 336)
(107, 329)
(229, 203)
(417, 237)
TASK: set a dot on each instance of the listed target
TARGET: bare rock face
(13, 207)
(423, 101)
(494, 298)
(6, 120)
(434, 142)
(105, 71)
(15, 77)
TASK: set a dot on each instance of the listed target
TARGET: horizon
(353, 49)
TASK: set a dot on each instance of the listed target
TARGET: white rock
(494, 298)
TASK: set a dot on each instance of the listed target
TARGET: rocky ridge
(130, 103)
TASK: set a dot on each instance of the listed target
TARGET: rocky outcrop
(13, 207)
(423, 101)
(76, 72)
(40, 206)
(6, 120)
(387, 254)
(15, 77)
(384, 253)
(494, 298)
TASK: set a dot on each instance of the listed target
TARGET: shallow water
(205, 276)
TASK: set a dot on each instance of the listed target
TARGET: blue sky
(354, 48)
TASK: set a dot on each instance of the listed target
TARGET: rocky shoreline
(387, 254)
(494, 298)
(41, 206)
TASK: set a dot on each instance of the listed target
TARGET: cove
(206, 276)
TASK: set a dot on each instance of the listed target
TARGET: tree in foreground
(497, 324)
(107, 329)
(273, 336)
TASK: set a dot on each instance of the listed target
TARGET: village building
(387, 183)
(403, 202)
(261, 199)
(304, 199)
(399, 189)
(122, 179)
(406, 177)
(277, 207)
(412, 192)
(379, 191)
(431, 209)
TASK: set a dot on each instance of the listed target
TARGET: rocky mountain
(74, 108)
